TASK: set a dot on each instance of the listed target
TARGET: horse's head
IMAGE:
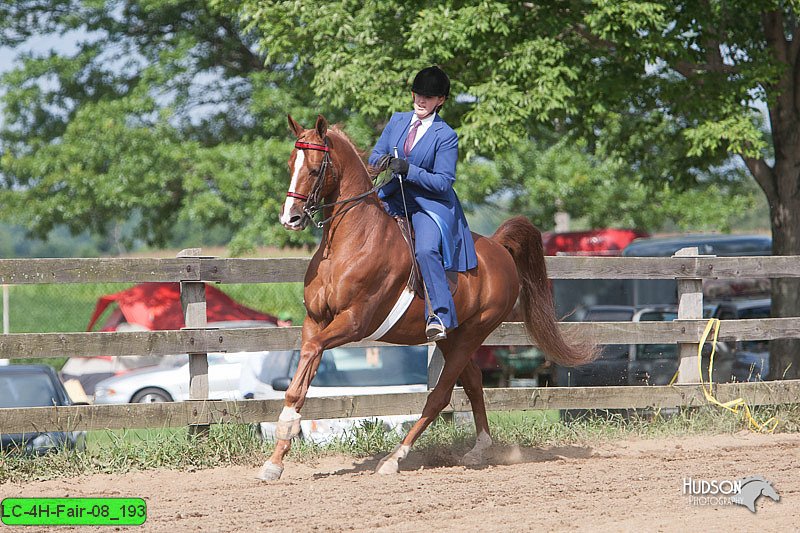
(769, 491)
(313, 175)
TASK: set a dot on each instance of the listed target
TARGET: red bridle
(323, 167)
(312, 146)
(312, 204)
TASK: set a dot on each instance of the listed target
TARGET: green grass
(45, 308)
(273, 298)
(125, 451)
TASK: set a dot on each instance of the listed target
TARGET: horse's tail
(524, 241)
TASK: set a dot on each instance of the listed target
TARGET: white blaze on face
(287, 205)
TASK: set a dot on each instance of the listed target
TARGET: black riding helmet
(431, 81)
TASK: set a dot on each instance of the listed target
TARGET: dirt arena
(632, 485)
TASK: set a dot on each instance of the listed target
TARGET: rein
(312, 205)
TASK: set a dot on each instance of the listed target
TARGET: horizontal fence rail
(203, 412)
(292, 269)
(156, 343)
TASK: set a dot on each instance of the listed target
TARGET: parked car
(750, 358)
(663, 291)
(625, 364)
(35, 386)
(571, 294)
(91, 370)
(169, 381)
(637, 364)
(353, 371)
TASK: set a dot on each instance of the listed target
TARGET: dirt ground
(631, 485)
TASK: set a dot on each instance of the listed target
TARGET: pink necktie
(412, 134)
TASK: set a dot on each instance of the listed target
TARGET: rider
(424, 150)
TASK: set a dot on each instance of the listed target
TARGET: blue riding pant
(428, 250)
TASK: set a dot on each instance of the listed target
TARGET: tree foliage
(175, 110)
(160, 111)
(593, 82)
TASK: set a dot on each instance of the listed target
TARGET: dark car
(750, 358)
(626, 364)
(650, 291)
(35, 386)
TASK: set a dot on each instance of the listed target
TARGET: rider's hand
(399, 166)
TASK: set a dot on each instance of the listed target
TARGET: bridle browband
(315, 189)
(312, 205)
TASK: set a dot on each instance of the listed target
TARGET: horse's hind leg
(472, 380)
(457, 352)
(437, 400)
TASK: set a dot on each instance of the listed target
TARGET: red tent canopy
(158, 306)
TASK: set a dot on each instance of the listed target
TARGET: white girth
(394, 315)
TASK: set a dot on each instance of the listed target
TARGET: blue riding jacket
(429, 185)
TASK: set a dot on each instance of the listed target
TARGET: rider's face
(425, 105)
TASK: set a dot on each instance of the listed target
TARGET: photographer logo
(743, 491)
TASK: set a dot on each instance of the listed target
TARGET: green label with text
(73, 511)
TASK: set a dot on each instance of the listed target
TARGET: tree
(156, 111)
(165, 112)
(670, 89)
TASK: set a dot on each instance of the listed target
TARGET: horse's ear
(321, 127)
(296, 128)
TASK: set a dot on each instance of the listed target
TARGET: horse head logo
(752, 488)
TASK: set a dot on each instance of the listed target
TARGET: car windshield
(372, 367)
(27, 390)
(657, 351)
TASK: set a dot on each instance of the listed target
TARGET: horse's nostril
(295, 219)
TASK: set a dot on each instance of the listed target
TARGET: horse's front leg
(341, 330)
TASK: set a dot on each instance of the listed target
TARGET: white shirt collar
(427, 121)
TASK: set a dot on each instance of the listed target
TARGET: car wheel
(151, 395)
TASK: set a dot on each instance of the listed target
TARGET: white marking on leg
(288, 414)
(475, 456)
(288, 425)
(270, 472)
(391, 463)
(287, 205)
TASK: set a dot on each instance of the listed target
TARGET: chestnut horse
(361, 268)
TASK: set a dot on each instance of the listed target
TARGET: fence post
(6, 328)
(690, 307)
(193, 302)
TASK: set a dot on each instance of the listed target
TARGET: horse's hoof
(388, 466)
(472, 459)
(270, 472)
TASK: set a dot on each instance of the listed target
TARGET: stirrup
(435, 330)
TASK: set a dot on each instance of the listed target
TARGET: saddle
(415, 280)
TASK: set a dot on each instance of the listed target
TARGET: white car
(348, 372)
(266, 376)
(169, 382)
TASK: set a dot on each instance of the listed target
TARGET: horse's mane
(372, 171)
(336, 128)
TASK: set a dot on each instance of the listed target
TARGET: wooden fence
(192, 270)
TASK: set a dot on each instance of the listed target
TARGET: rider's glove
(399, 166)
